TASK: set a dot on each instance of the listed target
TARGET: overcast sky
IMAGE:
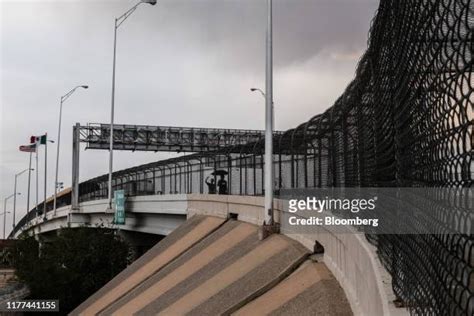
(179, 63)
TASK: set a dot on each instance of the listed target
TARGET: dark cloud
(237, 28)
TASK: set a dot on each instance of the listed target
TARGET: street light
(268, 215)
(259, 90)
(14, 192)
(5, 211)
(63, 98)
(4, 218)
(118, 22)
(46, 171)
(273, 104)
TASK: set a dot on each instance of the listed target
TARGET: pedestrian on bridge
(211, 185)
(222, 184)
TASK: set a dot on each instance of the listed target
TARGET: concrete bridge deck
(213, 266)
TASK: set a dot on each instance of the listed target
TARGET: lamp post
(269, 220)
(4, 218)
(118, 22)
(63, 98)
(273, 104)
(46, 173)
(5, 211)
(14, 192)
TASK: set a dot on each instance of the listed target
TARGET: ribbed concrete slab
(212, 267)
(221, 272)
(166, 285)
(311, 290)
(251, 275)
(180, 240)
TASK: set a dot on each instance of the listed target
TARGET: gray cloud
(181, 63)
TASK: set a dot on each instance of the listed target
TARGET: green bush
(70, 266)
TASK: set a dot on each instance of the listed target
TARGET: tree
(70, 266)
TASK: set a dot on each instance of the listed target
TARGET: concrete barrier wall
(348, 255)
(153, 214)
(248, 208)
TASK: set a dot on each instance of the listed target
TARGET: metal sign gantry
(164, 138)
(155, 138)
